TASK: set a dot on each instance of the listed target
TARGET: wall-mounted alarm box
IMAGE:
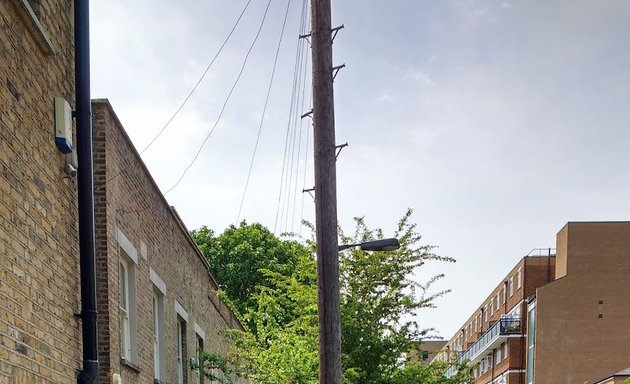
(63, 125)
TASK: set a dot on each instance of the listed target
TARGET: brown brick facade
(40, 338)
(129, 203)
(583, 317)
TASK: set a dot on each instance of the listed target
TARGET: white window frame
(181, 350)
(159, 354)
(200, 335)
(127, 299)
(511, 286)
(124, 307)
(519, 281)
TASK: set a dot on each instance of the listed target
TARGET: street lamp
(390, 244)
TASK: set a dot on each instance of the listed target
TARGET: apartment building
(582, 318)
(157, 299)
(493, 337)
(40, 336)
(559, 318)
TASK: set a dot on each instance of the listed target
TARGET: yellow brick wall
(39, 275)
(128, 200)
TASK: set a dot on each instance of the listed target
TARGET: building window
(531, 341)
(158, 334)
(497, 301)
(475, 324)
(497, 358)
(181, 350)
(518, 279)
(199, 349)
(505, 350)
(485, 313)
(511, 286)
(127, 308)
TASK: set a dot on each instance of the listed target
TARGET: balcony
(492, 339)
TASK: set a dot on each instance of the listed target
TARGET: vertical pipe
(85, 179)
(325, 195)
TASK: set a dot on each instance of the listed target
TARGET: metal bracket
(306, 37)
(335, 31)
(339, 148)
(309, 192)
(336, 69)
(308, 114)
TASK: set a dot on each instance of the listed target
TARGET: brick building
(555, 319)
(146, 257)
(152, 277)
(40, 338)
(582, 318)
(493, 337)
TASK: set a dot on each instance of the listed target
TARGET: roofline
(171, 209)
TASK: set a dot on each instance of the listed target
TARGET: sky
(497, 121)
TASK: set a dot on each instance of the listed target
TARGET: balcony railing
(490, 339)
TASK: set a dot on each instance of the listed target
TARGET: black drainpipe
(85, 179)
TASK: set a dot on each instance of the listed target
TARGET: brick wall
(39, 275)
(582, 318)
(129, 203)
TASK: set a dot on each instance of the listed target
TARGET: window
(181, 350)
(505, 350)
(485, 313)
(511, 286)
(475, 324)
(199, 348)
(497, 301)
(518, 279)
(531, 342)
(127, 307)
(497, 357)
(425, 356)
(125, 340)
(158, 334)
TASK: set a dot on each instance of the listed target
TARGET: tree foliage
(239, 257)
(273, 285)
(378, 299)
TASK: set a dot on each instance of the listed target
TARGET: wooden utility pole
(325, 195)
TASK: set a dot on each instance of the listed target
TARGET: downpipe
(85, 181)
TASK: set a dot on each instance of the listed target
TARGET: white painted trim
(181, 311)
(200, 332)
(143, 250)
(127, 246)
(157, 281)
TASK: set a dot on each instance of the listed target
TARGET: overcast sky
(496, 121)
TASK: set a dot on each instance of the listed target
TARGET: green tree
(378, 299)
(416, 373)
(238, 258)
(277, 294)
(284, 348)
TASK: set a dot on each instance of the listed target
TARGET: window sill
(129, 364)
(34, 26)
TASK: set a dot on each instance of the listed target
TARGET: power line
(203, 75)
(297, 163)
(294, 91)
(262, 118)
(251, 47)
(200, 79)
